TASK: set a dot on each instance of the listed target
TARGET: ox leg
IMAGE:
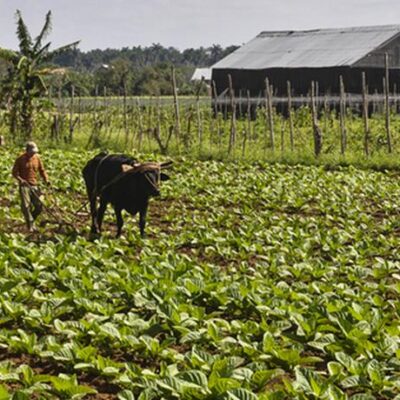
(120, 221)
(100, 213)
(93, 212)
(142, 221)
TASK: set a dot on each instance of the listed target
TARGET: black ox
(120, 180)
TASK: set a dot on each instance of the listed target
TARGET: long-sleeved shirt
(26, 168)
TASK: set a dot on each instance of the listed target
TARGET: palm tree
(27, 69)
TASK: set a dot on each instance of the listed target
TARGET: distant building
(202, 73)
(322, 55)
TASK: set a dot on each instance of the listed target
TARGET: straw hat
(32, 147)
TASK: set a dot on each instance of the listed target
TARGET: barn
(321, 55)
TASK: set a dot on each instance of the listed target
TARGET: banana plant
(28, 69)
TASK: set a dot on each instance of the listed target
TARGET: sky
(185, 23)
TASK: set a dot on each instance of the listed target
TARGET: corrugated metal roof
(308, 49)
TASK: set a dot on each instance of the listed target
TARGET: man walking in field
(25, 171)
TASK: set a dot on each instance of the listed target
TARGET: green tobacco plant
(257, 281)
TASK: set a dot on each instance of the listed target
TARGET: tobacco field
(257, 281)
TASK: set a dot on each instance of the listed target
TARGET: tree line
(136, 70)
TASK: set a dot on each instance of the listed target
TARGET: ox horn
(166, 164)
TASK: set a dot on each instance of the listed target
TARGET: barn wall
(377, 57)
(327, 78)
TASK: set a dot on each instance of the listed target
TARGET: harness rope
(157, 185)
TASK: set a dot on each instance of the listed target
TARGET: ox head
(153, 179)
(150, 175)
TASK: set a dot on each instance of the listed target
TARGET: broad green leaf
(126, 395)
(4, 393)
(195, 377)
(241, 394)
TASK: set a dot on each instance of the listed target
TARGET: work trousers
(30, 203)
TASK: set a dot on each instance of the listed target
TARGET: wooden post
(326, 112)
(176, 107)
(232, 137)
(316, 129)
(79, 110)
(187, 136)
(94, 132)
(53, 118)
(60, 113)
(215, 95)
(198, 114)
(97, 123)
(125, 113)
(148, 126)
(49, 115)
(71, 115)
(247, 132)
(140, 124)
(387, 104)
(269, 114)
(290, 115)
(158, 129)
(240, 104)
(96, 93)
(283, 135)
(365, 113)
(343, 136)
(105, 111)
(216, 112)
(374, 102)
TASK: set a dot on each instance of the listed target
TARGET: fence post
(125, 110)
(343, 133)
(290, 115)
(71, 115)
(326, 112)
(149, 120)
(187, 136)
(79, 110)
(158, 127)
(365, 114)
(387, 105)
(247, 132)
(240, 104)
(198, 114)
(269, 115)
(282, 135)
(176, 107)
(232, 137)
(105, 111)
(61, 112)
(316, 129)
(217, 111)
(140, 124)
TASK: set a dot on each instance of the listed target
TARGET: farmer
(25, 171)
